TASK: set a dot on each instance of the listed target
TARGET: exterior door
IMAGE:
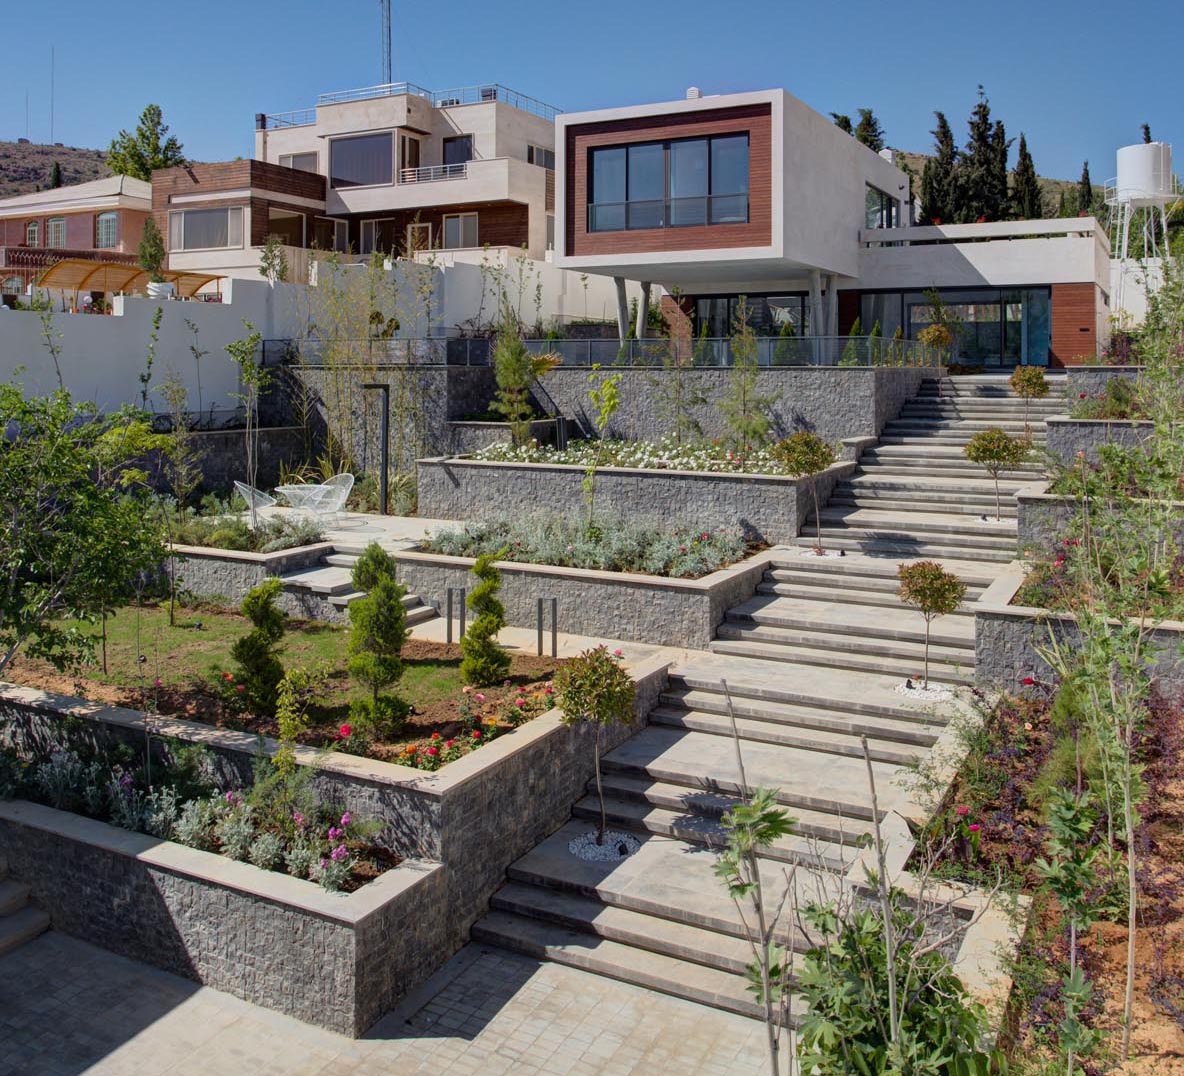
(419, 237)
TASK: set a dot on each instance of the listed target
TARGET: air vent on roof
(448, 102)
(694, 93)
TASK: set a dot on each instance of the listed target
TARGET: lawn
(179, 669)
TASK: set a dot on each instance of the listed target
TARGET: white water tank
(1144, 173)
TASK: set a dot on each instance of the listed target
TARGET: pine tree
(150, 256)
(1000, 146)
(1025, 195)
(1067, 202)
(842, 122)
(151, 147)
(55, 176)
(976, 170)
(1085, 191)
(485, 663)
(940, 176)
(868, 130)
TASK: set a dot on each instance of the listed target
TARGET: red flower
(961, 811)
(344, 732)
(239, 688)
(227, 676)
(1083, 396)
(448, 743)
(476, 734)
(519, 703)
(974, 827)
(1028, 681)
(435, 736)
(433, 751)
(617, 653)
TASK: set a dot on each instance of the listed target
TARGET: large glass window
(364, 161)
(302, 162)
(286, 225)
(329, 234)
(460, 230)
(785, 316)
(669, 184)
(32, 233)
(55, 232)
(540, 155)
(106, 230)
(458, 150)
(206, 229)
(880, 210)
(994, 326)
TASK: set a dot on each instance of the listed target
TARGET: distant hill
(25, 166)
(1050, 188)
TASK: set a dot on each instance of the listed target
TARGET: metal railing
(841, 351)
(300, 117)
(463, 95)
(668, 213)
(433, 172)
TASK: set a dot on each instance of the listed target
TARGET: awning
(77, 274)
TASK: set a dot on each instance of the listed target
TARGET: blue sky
(211, 65)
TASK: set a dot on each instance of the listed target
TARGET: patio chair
(255, 498)
(337, 490)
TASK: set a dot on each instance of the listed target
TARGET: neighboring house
(757, 196)
(100, 220)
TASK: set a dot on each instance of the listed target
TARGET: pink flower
(1027, 726)
(961, 811)
(974, 827)
(433, 751)
(1028, 681)
(704, 536)
(344, 732)
(334, 833)
(298, 818)
(682, 548)
(156, 682)
(617, 653)
(239, 689)
(519, 703)
(479, 697)
(346, 818)
(339, 853)
(448, 744)
(476, 734)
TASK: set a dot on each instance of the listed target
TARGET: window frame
(461, 217)
(111, 215)
(450, 140)
(183, 249)
(35, 227)
(316, 161)
(51, 225)
(333, 142)
(534, 151)
(666, 212)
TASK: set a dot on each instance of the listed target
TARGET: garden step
(626, 963)
(832, 584)
(340, 560)
(706, 761)
(942, 469)
(587, 915)
(966, 506)
(917, 522)
(320, 580)
(21, 926)
(930, 485)
(906, 547)
(838, 644)
(901, 625)
(409, 601)
(835, 571)
(889, 439)
(13, 897)
(886, 599)
(809, 718)
(923, 449)
(902, 534)
(832, 743)
(806, 655)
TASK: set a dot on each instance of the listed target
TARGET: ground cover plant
(608, 545)
(1119, 400)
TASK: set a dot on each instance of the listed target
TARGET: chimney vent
(694, 93)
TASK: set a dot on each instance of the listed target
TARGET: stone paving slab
(68, 1008)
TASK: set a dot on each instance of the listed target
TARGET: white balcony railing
(433, 173)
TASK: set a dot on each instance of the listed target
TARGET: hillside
(1050, 188)
(25, 166)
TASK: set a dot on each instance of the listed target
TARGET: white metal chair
(337, 490)
(255, 498)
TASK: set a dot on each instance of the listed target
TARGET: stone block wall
(466, 437)
(229, 574)
(1045, 518)
(768, 508)
(1092, 380)
(1068, 436)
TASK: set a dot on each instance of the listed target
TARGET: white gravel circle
(824, 553)
(931, 693)
(585, 846)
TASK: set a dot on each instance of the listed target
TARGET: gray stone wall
(466, 437)
(225, 924)
(1092, 380)
(221, 456)
(220, 573)
(768, 508)
(1068, 436)
(1045, 518)
(611, 605)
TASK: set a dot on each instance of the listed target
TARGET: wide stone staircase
(812, 663)
(19, 921)
(326, 591)
(915, 494)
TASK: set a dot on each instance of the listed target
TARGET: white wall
(1129, 284)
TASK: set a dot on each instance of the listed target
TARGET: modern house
(756, 196)
(96, 221)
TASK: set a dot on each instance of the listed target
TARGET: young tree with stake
(803, 455)
(927, 587)
(997, 451)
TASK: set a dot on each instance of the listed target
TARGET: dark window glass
(688, 182)
(647, 186)
(365, 161)
(606, 211)
(458, 150)
(729, 165)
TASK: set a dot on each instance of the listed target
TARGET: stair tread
(900, 624)
(900, 666)
(21, 926)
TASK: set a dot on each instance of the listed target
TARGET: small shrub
(59, 779)
(485, 662)
(1118, 400)
(236, 829)
(997, 451)
(162, 810)
(195, 826)
(927, 587)
(300, 859)
(260, 669)
(803, 454)
(266, 852)
(11, 773)
(378, 630)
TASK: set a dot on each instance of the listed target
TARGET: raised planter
(467, 437)
(612, 605)
(1045, 518)
(231, 573)
(1008, 639)
(1068, 436)
(1092, 380)
(334, 959)
(768, 508)
(472, 818)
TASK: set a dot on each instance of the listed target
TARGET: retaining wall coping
(1064, 420)
(265, 560)
(482, 423)
(349, 909)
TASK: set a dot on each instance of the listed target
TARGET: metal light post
(385, 449)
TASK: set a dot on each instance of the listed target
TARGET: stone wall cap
(279, 556)
(665, 472)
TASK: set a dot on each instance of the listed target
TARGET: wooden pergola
(75, 274)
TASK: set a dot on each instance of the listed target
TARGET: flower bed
(223, 525)
(1066, 437)
(664, 455)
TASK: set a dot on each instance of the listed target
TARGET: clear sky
(1069, 74)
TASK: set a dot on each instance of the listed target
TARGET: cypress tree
(868, 130)
(1085, 191)
(939, 176)
(55, 176)
(842, 122)
(1025, 195)
(1067, 203)
(976, 169)
(1000, 200)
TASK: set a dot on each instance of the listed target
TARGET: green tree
(485, 663)
(997, 451)
(605, 394)
(55, 176)
(785, 351)
(850, 356)
(1026, 198)
(151, 147)
(1000, 147)
(72, 543)
(977, 196)
(939, 178)
(744, 408)
(378, 630)
(1028, 383)
(927, 587)
(802, 455)
(273, 262)
(257, 652)
(868, 130)
(150, 255)
(1085, 191)
(594, 690)
(514, 370)
(843, 122)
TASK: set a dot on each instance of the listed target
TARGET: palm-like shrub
(260, 669)
(933, 591)
(801, 455)
(997, 450)
(485, 662)
(594, 689)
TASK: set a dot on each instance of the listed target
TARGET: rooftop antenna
(51, 80)
(385, 6)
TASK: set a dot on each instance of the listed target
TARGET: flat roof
(117, 190)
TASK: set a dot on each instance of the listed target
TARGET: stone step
(21, 926)
(834, 570)
(954, 488)
(832, 583)
(900, 532)
(319, 580)
(872, 625)
(946, 673)
(920, 521)
(974, 505)
(832, 743)
(13, 897)
(626, 963)
(953, 439)
(943, 469)
(813, 719)
(410, 601)
(844, 596)
(839, 644)
(923, 449)
(909, 548)
(808, 849)
(340, 560)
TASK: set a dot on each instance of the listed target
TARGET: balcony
(433, 173)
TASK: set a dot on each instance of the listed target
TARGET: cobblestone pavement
(67, 1008)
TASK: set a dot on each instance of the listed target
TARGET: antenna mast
(385, 6)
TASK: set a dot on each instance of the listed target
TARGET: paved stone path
(67, 1008)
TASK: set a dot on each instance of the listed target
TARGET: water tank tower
(1138, 198)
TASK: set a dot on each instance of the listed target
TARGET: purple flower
(298, 818)
(334, 833)
(339, 853)
(233, 798)
(346, 818)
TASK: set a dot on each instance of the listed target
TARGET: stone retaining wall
(1092, 380)
(611, 605)
(466, 437)
(1045, 518)
(230, 574)
(332, 959)
(767, 508)
(1068, 436)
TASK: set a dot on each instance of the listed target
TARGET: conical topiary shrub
(485, 662)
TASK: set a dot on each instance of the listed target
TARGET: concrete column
(643, 306)
(832, 305)
(815, 303)
(622, 308)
